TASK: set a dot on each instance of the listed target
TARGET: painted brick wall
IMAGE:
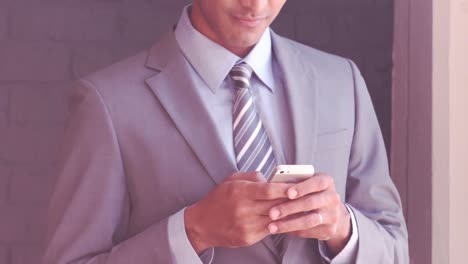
(45, 44)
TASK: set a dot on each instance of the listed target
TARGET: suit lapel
(299, 81)
(175, 90)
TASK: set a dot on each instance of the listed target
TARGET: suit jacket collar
(299, 79)
(162, 52)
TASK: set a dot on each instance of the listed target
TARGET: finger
(307, 203)
(268, 191)
(253, 176)
(297, 223)
(262, 207)
(319, 182)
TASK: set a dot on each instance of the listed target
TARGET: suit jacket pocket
(332, 139)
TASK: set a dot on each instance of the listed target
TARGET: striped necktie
(251, 144)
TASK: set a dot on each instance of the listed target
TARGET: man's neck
(198, 24)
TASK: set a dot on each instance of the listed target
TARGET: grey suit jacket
(139, 146)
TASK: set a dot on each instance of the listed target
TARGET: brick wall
(45, 44)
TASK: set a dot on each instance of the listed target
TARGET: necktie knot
(241, 74)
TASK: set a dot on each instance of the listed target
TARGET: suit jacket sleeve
(370, 191)
(90, 206)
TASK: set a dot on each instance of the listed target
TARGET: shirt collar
(260, 59)
(213, 62)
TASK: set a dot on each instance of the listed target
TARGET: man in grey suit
(166, 153)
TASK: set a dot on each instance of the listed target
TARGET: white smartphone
(292, 173)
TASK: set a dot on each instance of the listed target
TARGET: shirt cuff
(348, 254)
(180, 246)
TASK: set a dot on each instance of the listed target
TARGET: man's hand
(235, 213)
(314, 210)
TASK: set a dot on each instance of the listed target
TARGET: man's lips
(249, 22)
